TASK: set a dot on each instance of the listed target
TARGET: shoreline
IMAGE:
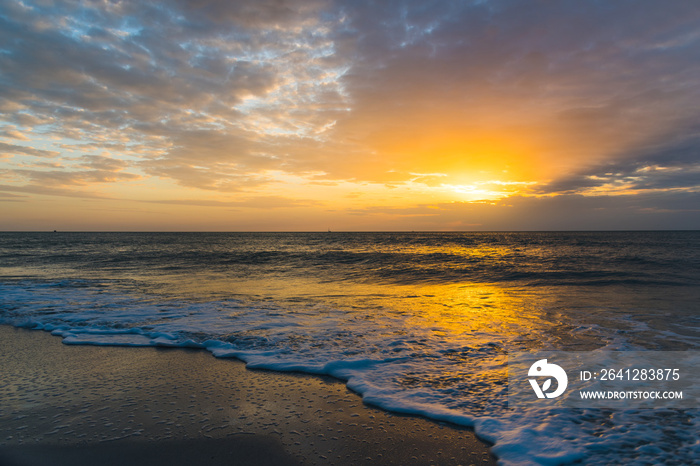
(150, 406)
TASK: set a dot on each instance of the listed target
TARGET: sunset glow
(321, 114)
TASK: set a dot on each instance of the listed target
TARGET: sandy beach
(62, 404)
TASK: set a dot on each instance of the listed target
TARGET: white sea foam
(395, 361)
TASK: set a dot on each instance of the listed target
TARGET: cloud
(73, 178)
(52, 191)
(10, 131)
(258, 202)
(672, 163)
(9, 197)
(86, 170)
(647, 211)
(102, 163)
(169, 77)
(572, 97)
(13, 149)
(535, 90)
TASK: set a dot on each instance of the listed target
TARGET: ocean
(417, 323)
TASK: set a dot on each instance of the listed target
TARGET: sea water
(414, 322)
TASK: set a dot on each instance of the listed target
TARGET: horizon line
(358, 231)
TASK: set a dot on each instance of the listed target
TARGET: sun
(490, 190)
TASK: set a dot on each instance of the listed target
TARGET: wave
(398, 360)
(527, 259)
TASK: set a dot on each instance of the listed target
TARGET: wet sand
(87, 405)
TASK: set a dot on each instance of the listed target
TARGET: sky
(201, 115)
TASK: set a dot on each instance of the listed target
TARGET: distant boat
(329, 230)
